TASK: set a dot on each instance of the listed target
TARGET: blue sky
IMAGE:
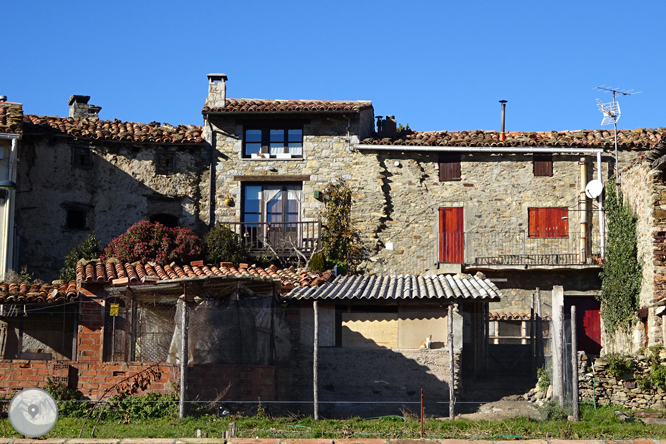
(435, 65)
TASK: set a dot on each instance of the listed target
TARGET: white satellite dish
(594, 189)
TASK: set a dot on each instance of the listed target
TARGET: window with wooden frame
(81, 157)
(548, 222)
(165, 163)
(543, 165)
(273, 141)
(449, 167)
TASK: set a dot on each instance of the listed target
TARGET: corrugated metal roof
(441, 286)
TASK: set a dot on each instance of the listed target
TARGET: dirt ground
(497, 397)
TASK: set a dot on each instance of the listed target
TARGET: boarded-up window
(449, 166)
(543, 164)
(548, 222)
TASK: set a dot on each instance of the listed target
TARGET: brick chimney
(79, 108)
(217, 91)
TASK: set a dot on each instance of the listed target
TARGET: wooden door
(451, 235)
(588, 322)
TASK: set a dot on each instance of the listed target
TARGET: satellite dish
(594, 189)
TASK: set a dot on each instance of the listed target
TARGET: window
(270, 215)
(76, 219)
(273, 141)
(165, 163)
(548, 222)
(272, 202)
(543, 164)
(81, 157)
(449, 167)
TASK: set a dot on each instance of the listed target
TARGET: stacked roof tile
(401, 287)
(38, 293)
(113, 130)
(627, 139)
(502, 316)
(287, 106)
(114, 272)
(11, 118)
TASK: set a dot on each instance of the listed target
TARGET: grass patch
(599, 424)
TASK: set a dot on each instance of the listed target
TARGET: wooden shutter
(449, 166)
(548, 222)
(543, 164)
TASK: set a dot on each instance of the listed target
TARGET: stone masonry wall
(605, 388)
(121, 187)
(645, 191)
(495, 193)
(326, 158)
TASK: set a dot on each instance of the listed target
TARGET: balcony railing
(519, 248)
(490, 249)
(281, 238)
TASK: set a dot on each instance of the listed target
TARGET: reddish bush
(146, 241)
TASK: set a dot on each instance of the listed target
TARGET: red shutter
(548, 222)
(449, 167)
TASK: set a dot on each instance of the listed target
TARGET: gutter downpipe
(488, 149)
(583, 210)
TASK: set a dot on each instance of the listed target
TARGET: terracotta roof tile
(112, 272)
(11, 118)
(112, 130)
(627, 139)
(288, 106)
(502, 316)
(37, 293)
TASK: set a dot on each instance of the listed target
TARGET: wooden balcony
(281, 238)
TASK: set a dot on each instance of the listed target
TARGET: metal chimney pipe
(502, 137)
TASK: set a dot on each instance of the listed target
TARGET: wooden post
(452, 378)
(315, 385)
(574, 366)
(184, 320)
(533, 347)
(539, 330)
(421, 413)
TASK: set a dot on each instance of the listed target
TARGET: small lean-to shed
(370, 329)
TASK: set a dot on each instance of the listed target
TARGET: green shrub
(71, 402)
(553, 411)
(318, 262)
(619, 365)
(543, 374)
(658, 376)
(343, 267)
(88, 249)
(149, 406)
(223, 245)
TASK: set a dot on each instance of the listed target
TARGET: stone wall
(645, 191)
(120, 187)
(495, 192)
(604, 388)
(327, 157)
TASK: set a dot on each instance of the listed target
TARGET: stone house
(102, 176)
(512, 205)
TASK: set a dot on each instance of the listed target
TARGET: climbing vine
(339, 238)
(622, 273)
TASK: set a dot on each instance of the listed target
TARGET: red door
(451, 235)
(588, 322)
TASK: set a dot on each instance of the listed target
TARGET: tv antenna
(611, 112)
